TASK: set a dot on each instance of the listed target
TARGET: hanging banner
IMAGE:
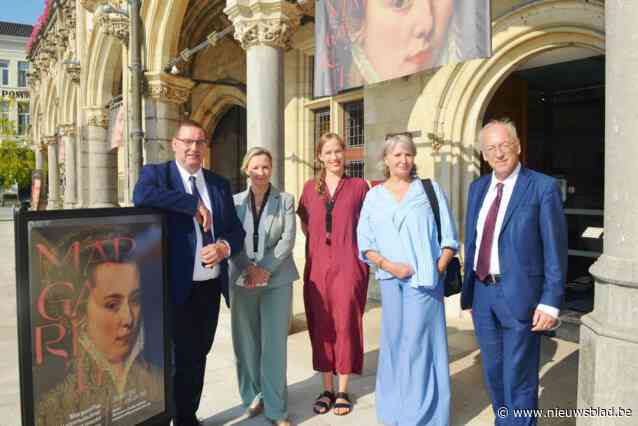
(92, 303)
(361, 42)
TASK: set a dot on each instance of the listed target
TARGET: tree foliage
(17, 160)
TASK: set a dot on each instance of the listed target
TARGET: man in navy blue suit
(515, 269)
(203, 230)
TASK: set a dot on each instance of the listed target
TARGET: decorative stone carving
(169, 88)
(67, 130)
(114, 25)
(49, 140)
(73, 70)
(97, 117)
(266, 22)
(34, 80)
(90, 5)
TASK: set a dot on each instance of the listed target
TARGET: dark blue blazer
(160, 186)
(532, 244)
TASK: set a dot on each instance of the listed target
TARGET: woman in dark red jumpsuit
(335, 280)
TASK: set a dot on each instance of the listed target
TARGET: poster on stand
(92, 317)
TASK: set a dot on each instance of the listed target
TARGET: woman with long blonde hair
(335, 280)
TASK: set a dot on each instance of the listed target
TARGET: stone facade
(80, 65)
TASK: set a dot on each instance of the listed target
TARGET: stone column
(263, 28)
(608, 376)
(163, 105)
(68, 133)
(102, 160)
(39, 157)
(54, 173)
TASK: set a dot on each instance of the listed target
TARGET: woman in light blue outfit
(397, 233)
(262, 274)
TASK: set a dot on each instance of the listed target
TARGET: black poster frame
(22, 219)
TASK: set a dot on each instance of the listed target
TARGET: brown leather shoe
(255, 409)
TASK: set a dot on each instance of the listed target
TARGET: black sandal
(348, 405)
(321, 404)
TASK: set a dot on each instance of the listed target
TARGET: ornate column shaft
(264, 28)
(68, 133)
(54, 172)
(607, 374)
(164, 99)
(102, 160)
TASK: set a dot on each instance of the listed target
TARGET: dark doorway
(559, 112)
(228, 147)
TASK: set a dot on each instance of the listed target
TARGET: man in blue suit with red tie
(515, 270)
(203, 230)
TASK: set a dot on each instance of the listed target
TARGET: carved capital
(68, 11)
(34, 80)
(114, 25)
(169, 88)
(49, 140)
(264, 23)
(67, 130)
(74, 72)
(90, 5)
(97, 117)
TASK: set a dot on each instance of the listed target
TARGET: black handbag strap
(434, 202)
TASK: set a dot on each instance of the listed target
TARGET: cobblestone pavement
(221, 404)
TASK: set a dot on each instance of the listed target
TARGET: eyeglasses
(191, 142)
(504, 147)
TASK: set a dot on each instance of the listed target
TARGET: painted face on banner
(405, 36)
(113, 310)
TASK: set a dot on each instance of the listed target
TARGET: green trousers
(260, 319)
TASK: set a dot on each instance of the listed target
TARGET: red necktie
(485, 251)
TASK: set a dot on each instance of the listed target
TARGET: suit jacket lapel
(478, 203)
(271, 208)
(175, 177)
(213, 193)
(242, 205)
(518, 195)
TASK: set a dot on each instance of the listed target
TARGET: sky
(22, 11)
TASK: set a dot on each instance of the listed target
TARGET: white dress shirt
(199, 272)
(508, 189)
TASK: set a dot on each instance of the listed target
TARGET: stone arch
(50, 108)
(517, 36)
(164, 18)
(215, 104)
(68, 110)
(104, 68)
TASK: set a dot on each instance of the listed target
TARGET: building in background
(253, 86)
(14, 90)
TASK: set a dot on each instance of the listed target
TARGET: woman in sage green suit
(262, 275)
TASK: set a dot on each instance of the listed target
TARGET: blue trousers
(413, 377)
(510, 352)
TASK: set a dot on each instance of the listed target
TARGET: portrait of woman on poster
(397, 234)
(378, 40)
(109, 369)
